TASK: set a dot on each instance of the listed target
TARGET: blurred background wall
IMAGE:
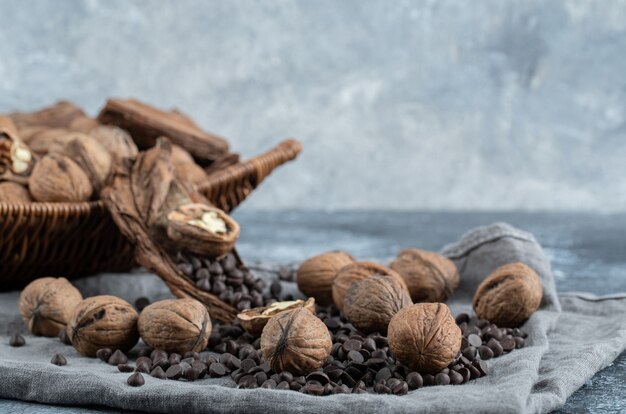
(400, 104)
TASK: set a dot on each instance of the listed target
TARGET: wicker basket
(78, 239)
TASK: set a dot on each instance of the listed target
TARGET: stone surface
(486, 104)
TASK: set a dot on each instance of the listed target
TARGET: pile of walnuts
(50, 306)
(405, 300)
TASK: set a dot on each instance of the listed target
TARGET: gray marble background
(399, 104)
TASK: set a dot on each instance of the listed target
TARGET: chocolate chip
(429, 379)
(414, 380)
(485, 352)
(465, 373)
(135, 380)
(174, 372)
(217, 370)
(381, 388)
(401, 389)
(191, 354)
(496, 347)
(462, 318)
(470, 353)
(519, 342)
(104, 354)
(356, 357)
(455, 377)
(270, 384)
(480, 366)
(283, 385)
(174, 358)
(383, 374)
(125, 368)
(369, 344)
(475, 340)
(200, 367)
(318, 376)
(117, 358)
(59, 360)
(63, 337)
(351, 345)
(313, 389)
(191, 374)
(141, 303)
(143, 366)
(17, 340)
(442, 379)
(508, 343)
(158, 373)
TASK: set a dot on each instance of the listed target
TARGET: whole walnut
(117, 141)
(371, 303)
(59, 179)
(316, 275)
(46, 139)
(356, 271)
(14, 193)
(424, 337)
(47, 304)
(429, 276)
(175, 325)
(103, 322)
(296, 341)
(185, 168)
(509, 295)
(90, 156)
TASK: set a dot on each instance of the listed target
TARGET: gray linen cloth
(570, 338)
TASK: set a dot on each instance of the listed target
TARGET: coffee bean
(442, 379)
(158, 373)
(217, 370)
(117, 357)
(59, 360)
(135, 380)
(174, 372)
(17, 340)
(485, 352)
(141, 303)
(63, 337)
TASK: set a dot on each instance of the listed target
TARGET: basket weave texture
(78, 239)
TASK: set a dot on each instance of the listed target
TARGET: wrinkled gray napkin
(570, 338)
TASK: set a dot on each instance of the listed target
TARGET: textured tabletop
(587, 253)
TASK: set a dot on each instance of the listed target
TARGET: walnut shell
(14, 193)
(185, 168)
(175, 325)
(355, 272)
(296, 341)
(15, 156)
(83, 124)
(117, 141)
(424, 337)
(58, 178)
(316, 275)
(103, 322)
(254, 320)
(202, 229)
(429, 276)
(509, 295)
(47, 139)
(371, 303)
(47, 304)
(90, 156)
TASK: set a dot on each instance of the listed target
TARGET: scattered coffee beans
(17, 340)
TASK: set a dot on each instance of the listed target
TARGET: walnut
(254, 320)
(429, 276)
(424, 337)
(47, 304)
(15, 156)
(118, 142)
(48, 139)
(103, 322)
(83, 124)
(58, 178)
(509, 295)
(355, 272)
(371, 303)
(175, 325)
(90, 156)
(296, 341)
(202, 229)
(14, 193)
(316, 275)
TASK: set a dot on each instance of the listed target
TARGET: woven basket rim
(46, 207)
